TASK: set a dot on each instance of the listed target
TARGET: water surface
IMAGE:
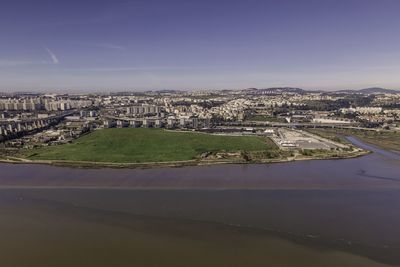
(311, 213)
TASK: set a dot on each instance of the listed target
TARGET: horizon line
(102, 91)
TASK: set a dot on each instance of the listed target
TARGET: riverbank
(174, 164)
(388, 140)
(376, 170)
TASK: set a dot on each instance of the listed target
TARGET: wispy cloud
(52, 55)
(110, 46)
(7, 63)
(123, 69)
(14, 63)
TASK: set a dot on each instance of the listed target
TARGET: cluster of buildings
(71, 115)
(143, 109)
(16, 127)
(47, 103)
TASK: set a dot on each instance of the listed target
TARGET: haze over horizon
(74, 46)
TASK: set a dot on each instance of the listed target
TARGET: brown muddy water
(313, 213)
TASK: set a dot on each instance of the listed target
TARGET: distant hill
(168, 91)
(274, 90)
(280, 90)
(377, 90)
(372, 90)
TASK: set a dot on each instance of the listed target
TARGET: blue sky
(184, 44)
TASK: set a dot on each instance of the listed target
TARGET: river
(306, 213)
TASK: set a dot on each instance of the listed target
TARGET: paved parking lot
(302, 140)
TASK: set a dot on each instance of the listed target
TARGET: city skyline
(148, 45)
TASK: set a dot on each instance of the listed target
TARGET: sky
(108, 45)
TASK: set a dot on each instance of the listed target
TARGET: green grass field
(147, 145)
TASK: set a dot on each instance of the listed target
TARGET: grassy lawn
(384, 139)
(147, 145)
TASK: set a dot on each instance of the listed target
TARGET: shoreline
(176, 164)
